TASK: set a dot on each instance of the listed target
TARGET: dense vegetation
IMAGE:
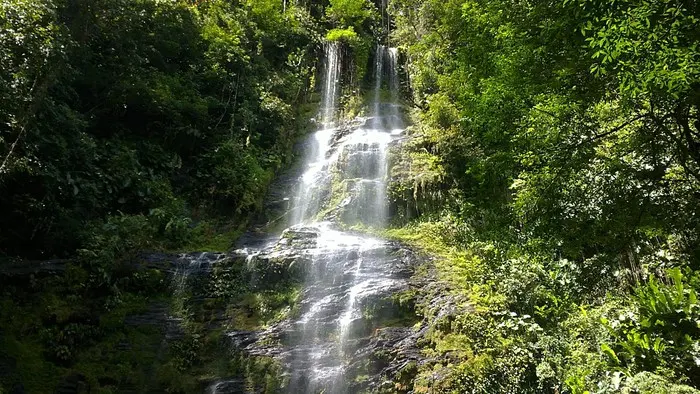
(555, 166)
(162, 112)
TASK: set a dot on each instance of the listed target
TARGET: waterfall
(307, 200)
(378, 74)
(330, 91)
(394, 74)
(395, 124)
(347, 269)
(343, 182)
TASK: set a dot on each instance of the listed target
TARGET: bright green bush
(551, 156)
(347, 36)
(662, 335)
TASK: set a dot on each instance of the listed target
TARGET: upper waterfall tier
(346, 165)
(331, 82)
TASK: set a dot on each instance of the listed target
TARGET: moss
(208, 236)
(259, 309)
(339, 191)
(113, 356)
(459, 267)
(261, 374)
(403, 382)
(457, 345)
(361, 378)
(31, 369)
(355, 106)
(171, 380)
(397, 310)
(122, 359)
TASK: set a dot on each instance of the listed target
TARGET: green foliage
(647, 383)
(649, 46)
(663, 334)
(148, 108)
(236, 176)
(61, 343)
(352, 24)
(552, 168)
(212, 236)
(347, 35)
(350, 13)
(60, 326)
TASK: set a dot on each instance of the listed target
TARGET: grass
(456, 265)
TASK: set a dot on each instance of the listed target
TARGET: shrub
(663, 333)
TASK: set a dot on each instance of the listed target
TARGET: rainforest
(350, 196)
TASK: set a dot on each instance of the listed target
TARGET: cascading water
(346, 274)
(378, 71)
(394, 74)
(307, 201)
(330, 93)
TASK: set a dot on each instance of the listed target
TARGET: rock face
(336, 337)
(21, 269)
(347, 331)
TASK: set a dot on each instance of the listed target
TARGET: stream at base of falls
(328, 342)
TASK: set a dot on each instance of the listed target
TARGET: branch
(21, 132)
(681, 150)
(560, 169)
(597, 136)
(610, 132)
(238, 78)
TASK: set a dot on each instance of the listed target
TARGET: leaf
(608, 351)
(658, 345)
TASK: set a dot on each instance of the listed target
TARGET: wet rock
(441, 304)
(35, 268)
(285, 261)
(73, 384)
(242, 339)
(337, 138)
(189, 263)
(157, 315)
(389, 351)
(18, 389)
(385, 122)
(230, 386)
(298, 239)
(345, 274)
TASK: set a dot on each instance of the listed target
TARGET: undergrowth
(525, 324)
